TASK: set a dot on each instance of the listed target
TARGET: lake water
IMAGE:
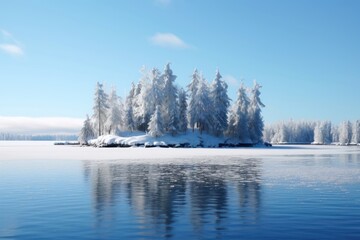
(275, 197)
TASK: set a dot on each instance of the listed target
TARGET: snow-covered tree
(335, 133)
(100, 109)
(87, 132)
(230, 131)
(129, 118)
(345, 132)
(202, 104)
(151, 95)
(256, 123)
(220, 103)
(114, 117)
(192, 89)
(239, 119)
(322, 132)
(183, 122)
(356, 132)
(290, 132)
(318, 134)
(170, 103)
(141, 117)
(156, 127)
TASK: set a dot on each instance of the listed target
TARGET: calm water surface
(295, 197)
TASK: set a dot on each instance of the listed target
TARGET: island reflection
(162, 196)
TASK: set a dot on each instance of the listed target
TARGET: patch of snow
(193, 139)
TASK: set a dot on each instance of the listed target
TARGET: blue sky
(306, 54)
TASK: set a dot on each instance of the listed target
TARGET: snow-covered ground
(22, 150)
(193, 139)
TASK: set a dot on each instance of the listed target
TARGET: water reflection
(199, 197)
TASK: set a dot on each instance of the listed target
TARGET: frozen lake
(284, 192)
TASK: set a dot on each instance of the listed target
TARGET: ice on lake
(297, 192)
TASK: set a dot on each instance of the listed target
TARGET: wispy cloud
(10, 45)
(5, 33)
(168, 40)
(45, 125)
(231, 80)
(12, 49)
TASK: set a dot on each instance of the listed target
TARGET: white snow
(131, 138)
(13, 150)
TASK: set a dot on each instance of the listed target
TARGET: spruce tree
(87, 132)
(183, 122)
(114, 118)
(100, 109)
(202, 105)
(170, 106)
(220, 103)
(256, 123)
(129, 118)
(239, 119)
(156, 127)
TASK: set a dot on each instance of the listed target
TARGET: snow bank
(192, 139)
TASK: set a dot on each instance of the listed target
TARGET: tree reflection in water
(195, 197)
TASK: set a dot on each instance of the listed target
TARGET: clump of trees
(317, 132)
(157, 106)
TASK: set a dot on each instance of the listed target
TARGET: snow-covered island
(156, 112)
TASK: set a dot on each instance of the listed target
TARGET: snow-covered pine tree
(345, 133)
(356, 132)
(129, 118)
(239, 119)
(114, 116)
(87, 132)
(151, 95)
(170, 106)
(322, 132)
(156, 127)
(139, 102)
(220, 103)
(202, 105)
(335, 133)
(182, 111)
(318, 134)
(230, 131)
(284, 133)
(122, 114)
(192, 90)
(155, 95)
(256, 123)
(100, 109)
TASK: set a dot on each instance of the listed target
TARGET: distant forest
(317, 132)
(29, 137)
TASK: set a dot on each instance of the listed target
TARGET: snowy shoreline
(188, 140)
(22, 150)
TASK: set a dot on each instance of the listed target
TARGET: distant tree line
(318, 132)
(30, 137)
(157, 106)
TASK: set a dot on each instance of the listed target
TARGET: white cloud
(169, 40)
(12, 49)
(5, 33)
(231, 80)
(10, 45)
(44, 125)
